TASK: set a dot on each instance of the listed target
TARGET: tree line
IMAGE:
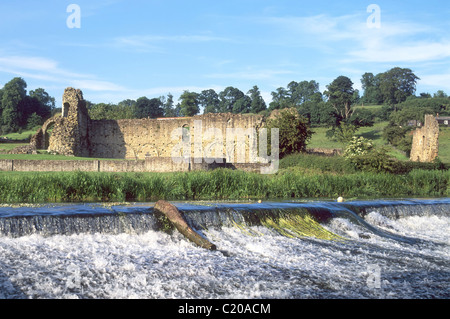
(335, 107)
(189, 104)
(19, 110)
(329, 108)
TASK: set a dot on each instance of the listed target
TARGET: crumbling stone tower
(425, 146)
(70, 132)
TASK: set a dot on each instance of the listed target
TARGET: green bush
(358, 146)
(376, 160)
(294, 131)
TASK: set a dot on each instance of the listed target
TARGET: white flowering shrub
(358, 146)
(364, 156)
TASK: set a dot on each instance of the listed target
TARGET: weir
(292, 219)
(270, 250)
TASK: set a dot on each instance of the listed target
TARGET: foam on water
(259, 263)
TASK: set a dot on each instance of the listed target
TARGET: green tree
(295, 95)
(233, 100)
(403, 116)
(436, 104)
(146, 107)
(33, 121)
(371, 86)
(242, 105)
(127, 108)
(12, 94)
(100, 111)
(301, 92)
(169, 110)
(340, 95)
(189, 105)
(209, 101)
(257, 102)
(46, 102)
(27, 106)
(362, 117)
(294, 131)
(397, 84)
(440, 94)
(280, 99)
(318, 112)
(343, 133)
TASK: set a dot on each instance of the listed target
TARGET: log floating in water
(177, 219)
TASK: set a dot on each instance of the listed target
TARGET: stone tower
(70, 133)
(425, 146)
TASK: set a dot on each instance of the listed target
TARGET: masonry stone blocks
(75, 134)
(425, 146)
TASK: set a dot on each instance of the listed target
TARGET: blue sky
(129, 49)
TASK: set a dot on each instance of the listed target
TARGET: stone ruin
(425, 146)
(75, 134)
(69, 134)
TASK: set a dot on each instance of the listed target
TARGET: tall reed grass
(220, 184)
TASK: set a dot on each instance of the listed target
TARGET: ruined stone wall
(75, 134)
(151, 164)
(425, 146)
(132, 139)
(54, 166)
(136, 139)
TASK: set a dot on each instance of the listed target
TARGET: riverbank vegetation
(298, 178)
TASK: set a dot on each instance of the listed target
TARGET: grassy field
(371, 107)
(444, 144)
(375, 133)
(20, 136)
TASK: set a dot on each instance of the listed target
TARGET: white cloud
(95, 85)
(419, 52)
(35, 67)
(47, 72)
(353, 40)
(32, 63)
(441, 81)
(249, 74)
(151, 41)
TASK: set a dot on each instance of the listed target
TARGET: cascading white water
(259, 262)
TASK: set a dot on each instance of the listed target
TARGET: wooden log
(177, 219)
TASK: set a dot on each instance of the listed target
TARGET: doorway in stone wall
(47, 130)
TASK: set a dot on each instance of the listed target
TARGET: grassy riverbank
(221, 184)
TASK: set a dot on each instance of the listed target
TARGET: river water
(392, 249)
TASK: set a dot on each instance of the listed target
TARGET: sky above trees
(129, 49)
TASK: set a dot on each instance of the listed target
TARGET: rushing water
(381, 249)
